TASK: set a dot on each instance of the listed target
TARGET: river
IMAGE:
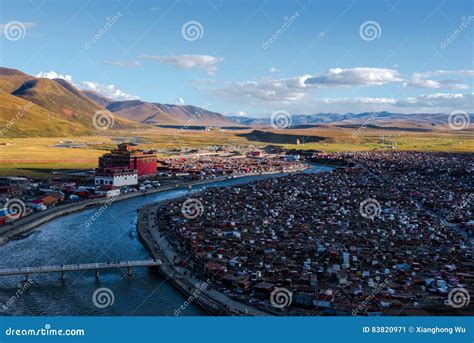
(68, 240)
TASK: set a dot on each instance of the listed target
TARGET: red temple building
(128, 157)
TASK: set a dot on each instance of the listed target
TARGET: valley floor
(38, 157)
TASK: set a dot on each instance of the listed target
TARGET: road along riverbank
(199, 291)
(25, 225)
(101, 234)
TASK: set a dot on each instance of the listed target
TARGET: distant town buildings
(129, 169)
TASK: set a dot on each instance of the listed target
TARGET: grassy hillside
(11, 79)
(60, 109)
(21, 118)
(56, 98)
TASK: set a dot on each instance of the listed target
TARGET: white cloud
(123, 64)
(108, 90)
(425, 79)
(439, 100)
(298, 94)
(359, 101)
(355, 76)
(267, 90)
(54, 75)
(274, 70)
(431, 103)
(203, 62)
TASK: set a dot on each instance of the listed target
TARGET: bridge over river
(63, 268)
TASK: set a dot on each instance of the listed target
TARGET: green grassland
(38, 157)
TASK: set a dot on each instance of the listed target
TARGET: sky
(252, 58)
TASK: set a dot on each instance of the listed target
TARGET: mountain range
(383, 119)
(164, 114)
(32, 106)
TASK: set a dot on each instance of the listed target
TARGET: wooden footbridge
(63, 268)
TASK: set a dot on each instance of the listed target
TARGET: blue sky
(413, 56)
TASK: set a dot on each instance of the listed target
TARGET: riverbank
(211, 300)
(195, 290)
(29, 223)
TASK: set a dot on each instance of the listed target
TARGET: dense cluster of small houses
(390, 233)
(128, 169)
